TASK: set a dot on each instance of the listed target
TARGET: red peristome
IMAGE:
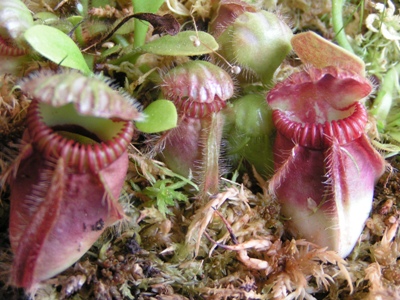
(198, 110)
(321, 135)
(325, 166)
(82, 157)
(6, 49)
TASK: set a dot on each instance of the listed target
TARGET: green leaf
(160, 115)
(163, 191)
(56, 46)
(182, 44)
(168, 172)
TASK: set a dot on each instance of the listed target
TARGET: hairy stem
(211, 135)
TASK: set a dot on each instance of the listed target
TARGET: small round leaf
(161, 115)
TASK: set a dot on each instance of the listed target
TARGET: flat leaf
(161, 115)
(56, 46)
(182, 44)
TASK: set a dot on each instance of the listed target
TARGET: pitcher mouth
(321, 135)
(87, 144)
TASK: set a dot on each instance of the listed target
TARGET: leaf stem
(139, 6)
(337, 20)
